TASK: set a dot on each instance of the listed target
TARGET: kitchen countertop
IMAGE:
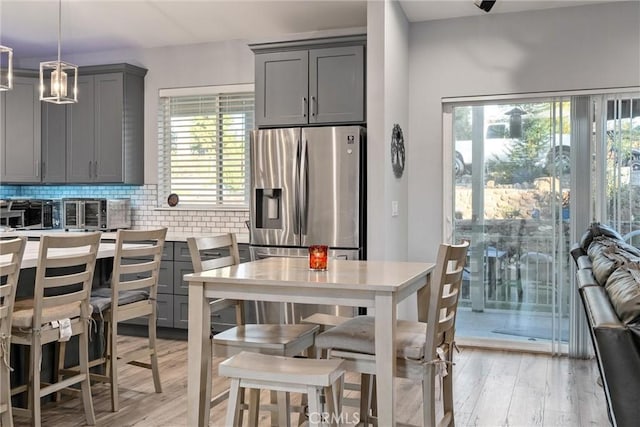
(171, 236)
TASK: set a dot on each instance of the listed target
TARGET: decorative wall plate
(173, 199)
(397, 151)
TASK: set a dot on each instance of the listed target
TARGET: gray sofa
(608, 278)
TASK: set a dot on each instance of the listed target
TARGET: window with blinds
(204, 147)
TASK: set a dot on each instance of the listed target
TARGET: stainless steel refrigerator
(307, 188)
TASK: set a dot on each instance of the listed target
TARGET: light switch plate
(394, 208)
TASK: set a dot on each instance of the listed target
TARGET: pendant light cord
(59, 26)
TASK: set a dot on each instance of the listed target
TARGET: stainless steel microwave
(96, 214)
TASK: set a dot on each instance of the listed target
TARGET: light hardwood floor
(491, 388)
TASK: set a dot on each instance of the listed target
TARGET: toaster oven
(96, 214)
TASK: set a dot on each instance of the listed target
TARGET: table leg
(198, 357)
(385, 332)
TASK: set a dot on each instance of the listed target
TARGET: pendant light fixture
(58, 79)
(6, 68)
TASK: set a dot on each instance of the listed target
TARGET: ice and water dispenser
(268, 208)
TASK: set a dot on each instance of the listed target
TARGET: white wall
(583, 47)
(207, 64)
(387, 104)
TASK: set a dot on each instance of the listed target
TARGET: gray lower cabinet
(173, 291)
(310, 86)
(20, 131)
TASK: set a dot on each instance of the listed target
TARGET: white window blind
(204, 148)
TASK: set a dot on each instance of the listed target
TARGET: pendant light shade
(58, 79)
(6, 68)
(58, 82)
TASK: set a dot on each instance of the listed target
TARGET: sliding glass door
(511, 200)
(527, 176)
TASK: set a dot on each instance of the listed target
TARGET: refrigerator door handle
(296, 208)
(304, 188)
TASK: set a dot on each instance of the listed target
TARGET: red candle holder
(318, 257)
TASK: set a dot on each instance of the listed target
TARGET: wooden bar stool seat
(282, 374)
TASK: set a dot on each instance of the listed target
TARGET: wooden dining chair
(58, 310)
(275, 339)
(11, 252)
(423, 348)
(134, 285)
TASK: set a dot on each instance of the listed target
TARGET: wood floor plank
(491, 388)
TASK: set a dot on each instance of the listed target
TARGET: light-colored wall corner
(387, 104)
(583, 47)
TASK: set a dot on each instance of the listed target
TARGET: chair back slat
(444, 295)
(449, 300)
(141, 252)
(51, 275)
(7, 268)
(211, 264)
(57, 261)
(65, 280)
(62, 299)
(201, 247)
(214, 246)
(137, 267)
(5, 289)
(131, 285)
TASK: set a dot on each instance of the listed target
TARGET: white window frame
(164, 147)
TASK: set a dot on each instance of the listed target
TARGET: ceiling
(30, 26)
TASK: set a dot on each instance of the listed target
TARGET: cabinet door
(20, 133)
(109, 95)
(81, 128)
(336, 85)
(54, 143)
(282, 88)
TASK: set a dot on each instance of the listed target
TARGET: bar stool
(59, 310)
(133, 291)
(284, 375)
(11, 252)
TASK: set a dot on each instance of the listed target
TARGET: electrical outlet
(394, 208)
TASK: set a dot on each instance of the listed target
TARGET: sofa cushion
(623, 288)
(598, 230)
(609, 254)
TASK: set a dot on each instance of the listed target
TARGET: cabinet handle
(304, 106)
(95, 169)
(313, 106)
(212, 253)
(44, 169)
(37, 169)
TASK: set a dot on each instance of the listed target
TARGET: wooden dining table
(377, 285)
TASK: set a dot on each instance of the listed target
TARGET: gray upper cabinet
(20, 131)
(105, 133)
(296, 86)
(336, 85)
(54, 143)
(282, 88)
(80, 134)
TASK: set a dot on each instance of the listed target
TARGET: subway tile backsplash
(143, 206)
